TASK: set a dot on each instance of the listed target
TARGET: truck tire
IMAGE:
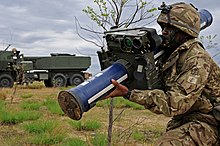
(47, 83)
(76, 79)
(59, 80)
(6, 81)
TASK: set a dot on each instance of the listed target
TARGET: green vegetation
(40, 126)
(89, 125)
(34, 85)
(77, 125)
(2, 105)
(30, 105)
(120, 102)
(35, 118)
(53, 106)
(14, 117)
(27, 95)
(47, 138)
(46, 132)
(138, 136)
(99, 140)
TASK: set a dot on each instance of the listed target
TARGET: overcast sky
(41, 27)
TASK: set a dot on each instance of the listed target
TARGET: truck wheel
(6, 81)
(47, 83)
(76, 79)
(59, 80)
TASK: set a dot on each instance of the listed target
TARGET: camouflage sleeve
(183, 93)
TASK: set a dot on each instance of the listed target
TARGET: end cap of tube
(69, 105)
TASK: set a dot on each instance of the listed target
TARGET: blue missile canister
(80, 99)
(205, 19)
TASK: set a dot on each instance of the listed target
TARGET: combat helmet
(181, 15)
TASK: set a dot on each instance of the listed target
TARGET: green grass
(45, 132)
(47, 139)
(138, 136)
(89, 125)
(120, 102)
(76, 124)
(30, 105)
(133, 105)
(2, 105)
(14, 117)
(27, 95)
(53, 106)
(40, 126)
(11, 115)
(37, 119)
(34, 85)
(99, 140)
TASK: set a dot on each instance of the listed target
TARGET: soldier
(14, 50)
(191, 82)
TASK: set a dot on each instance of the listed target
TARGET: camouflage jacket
(192, 81)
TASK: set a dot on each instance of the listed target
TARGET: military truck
(58, 69)
(55, 70)
(10, 67)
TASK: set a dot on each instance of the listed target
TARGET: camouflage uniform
(192, 81)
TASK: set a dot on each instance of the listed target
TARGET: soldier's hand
(120, 90)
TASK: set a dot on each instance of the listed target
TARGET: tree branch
(76, 21)
(130, 20)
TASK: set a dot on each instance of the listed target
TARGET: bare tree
(114, 14)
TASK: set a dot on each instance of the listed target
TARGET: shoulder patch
(192, 80)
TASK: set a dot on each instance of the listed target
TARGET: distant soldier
(14, 50)
(191, 82)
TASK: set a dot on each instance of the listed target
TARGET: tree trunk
(110, 121)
